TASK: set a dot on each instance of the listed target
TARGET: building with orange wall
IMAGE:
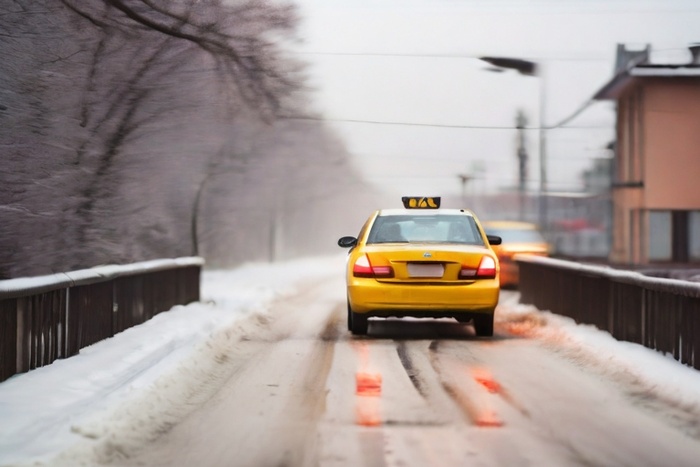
(656, 174)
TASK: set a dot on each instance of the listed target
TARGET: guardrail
(50, 317)
(661, 314)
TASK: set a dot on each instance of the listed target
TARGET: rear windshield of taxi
(425, 229)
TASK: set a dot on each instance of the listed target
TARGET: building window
(694, 235)
(660, 236)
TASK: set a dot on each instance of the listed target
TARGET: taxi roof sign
(421, 202)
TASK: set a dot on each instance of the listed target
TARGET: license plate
(425, 270)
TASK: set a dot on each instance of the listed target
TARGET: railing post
(8, 338)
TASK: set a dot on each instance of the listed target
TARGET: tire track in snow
(411, 371)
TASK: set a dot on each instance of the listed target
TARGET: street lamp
(524, 67)
(528, 68)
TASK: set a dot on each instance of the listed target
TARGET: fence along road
(661, 314)
(50, 317)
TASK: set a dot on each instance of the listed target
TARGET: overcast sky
(401, 81)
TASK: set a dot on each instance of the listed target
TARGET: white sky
(413, 61)
(120, 392)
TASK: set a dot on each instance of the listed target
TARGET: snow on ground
(660, 375)
(153, 369)
(164, 367)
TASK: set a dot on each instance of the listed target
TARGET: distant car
(422, 261)
(517, 238)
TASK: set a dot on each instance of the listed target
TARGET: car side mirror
(347, 242)
(494, 239)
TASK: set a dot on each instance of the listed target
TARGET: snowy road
(290, 386)
(303, 391)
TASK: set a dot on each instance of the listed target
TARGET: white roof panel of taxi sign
(424, 212)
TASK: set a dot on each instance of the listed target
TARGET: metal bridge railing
(661, 314)
(50, 317)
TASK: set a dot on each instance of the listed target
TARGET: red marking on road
(485, 415)
(368, 384)
(485, 378)
(488, 420)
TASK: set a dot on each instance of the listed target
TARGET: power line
(378, 122)
(448, 55)
(471, 127)
(390, 54)
(559, 125)
(576, 113)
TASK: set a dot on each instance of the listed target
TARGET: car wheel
(358, 323)
(349, 317)
(483, 325)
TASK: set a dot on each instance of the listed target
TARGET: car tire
(349, 317)
(358, 323)
(483, 325)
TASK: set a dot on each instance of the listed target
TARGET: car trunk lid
(427, 262)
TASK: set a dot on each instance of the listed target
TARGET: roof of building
(635, 66)
(625, 78)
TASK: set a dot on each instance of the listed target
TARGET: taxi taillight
(486, 270)
(363, 268)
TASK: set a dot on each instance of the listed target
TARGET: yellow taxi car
(422, 261)
(517, 238)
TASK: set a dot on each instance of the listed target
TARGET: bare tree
(96, 82)
(35, 52)
(156, 41)
(124, 123)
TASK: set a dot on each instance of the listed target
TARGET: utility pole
(543, 214)
(520, 124)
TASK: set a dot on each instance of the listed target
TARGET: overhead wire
(560, 125)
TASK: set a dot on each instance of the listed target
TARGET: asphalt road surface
(301, 390)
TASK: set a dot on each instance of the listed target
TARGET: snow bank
(649, 374)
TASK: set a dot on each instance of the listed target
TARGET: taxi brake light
(363, 268)
(486, 270)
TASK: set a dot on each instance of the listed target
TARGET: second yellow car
(517, 238)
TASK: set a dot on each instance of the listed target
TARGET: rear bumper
(422, 300)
